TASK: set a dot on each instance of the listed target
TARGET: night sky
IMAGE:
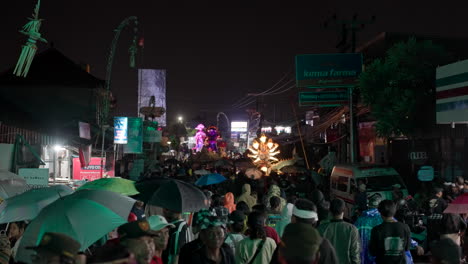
(214, 52)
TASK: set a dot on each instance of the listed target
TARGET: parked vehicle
(383, 180)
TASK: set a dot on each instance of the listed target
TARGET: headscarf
(229, 202)
(286, 215)
(246, 197)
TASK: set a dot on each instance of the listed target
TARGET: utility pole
(353, 26)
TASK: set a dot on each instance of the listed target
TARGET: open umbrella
(26, 206)
(11, 184)
(223, 163)
(201, 172)
(86, 216)
(179, 196)
(148, 187)
(293, 169)
(210, 179)
(253, 173)
(458, 206)
(118, 185)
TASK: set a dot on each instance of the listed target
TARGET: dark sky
(214, 52)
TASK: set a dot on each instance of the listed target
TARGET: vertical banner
(135, 136)
(85, 130)
(152, 82)
(120, 130)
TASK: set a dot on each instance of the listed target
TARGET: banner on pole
(135, 136)
(120, 130)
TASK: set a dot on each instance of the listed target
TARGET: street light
(180, 118)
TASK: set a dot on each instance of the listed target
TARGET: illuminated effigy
(200, 137)
(212, 137)
(263, 152)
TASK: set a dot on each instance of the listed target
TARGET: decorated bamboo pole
(31, 29)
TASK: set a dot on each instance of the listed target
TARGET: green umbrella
(26, 206)
(86, 216)
(118, 185)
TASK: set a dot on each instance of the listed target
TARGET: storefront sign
(328, 70)
(120, 130)
(92, 171)
(35, 178)
(452, 93)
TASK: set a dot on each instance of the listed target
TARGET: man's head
(387, 208)
(212, 232)
(375, 200)
(236, 221)
(171, 216)
(159, 230)
(242, 206)
(438, 192)
(55, 248)
(305, 212)
(300, 244)
(337, 208)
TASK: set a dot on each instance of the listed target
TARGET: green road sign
(324, 99)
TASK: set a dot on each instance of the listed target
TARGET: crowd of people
(264, 223)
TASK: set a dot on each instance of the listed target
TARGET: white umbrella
(85, 215)
(26, 206)
(201, 172)
(11, 184)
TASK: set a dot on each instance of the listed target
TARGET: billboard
(239, 126)
(120, 130)
(92, 171)
(152, 82)
(328, 70)
(35, 178)
(452, 93)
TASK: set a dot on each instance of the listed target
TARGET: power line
(247, 97)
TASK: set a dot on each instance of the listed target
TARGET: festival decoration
(263, 151)
(199, 137)
(31, 29)
(212, 137)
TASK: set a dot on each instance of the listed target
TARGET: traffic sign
(324, 99)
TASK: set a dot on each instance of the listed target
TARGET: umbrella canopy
(293, 169)
(148, 187)
(11, 184)
(458, 206)
(201, 172)
(26, 206)
(223, 163)
(86, 216)
(254, 173)
(209, 179)
(179, 196)
(118, 185)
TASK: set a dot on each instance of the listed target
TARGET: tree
(400, 90)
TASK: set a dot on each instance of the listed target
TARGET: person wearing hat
(153, 231)
(55, 248)
(305, 212)
(300, 244)
(342, 235)
(213, 249)
(199, 218)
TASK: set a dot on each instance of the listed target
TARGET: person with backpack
(257, 248)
